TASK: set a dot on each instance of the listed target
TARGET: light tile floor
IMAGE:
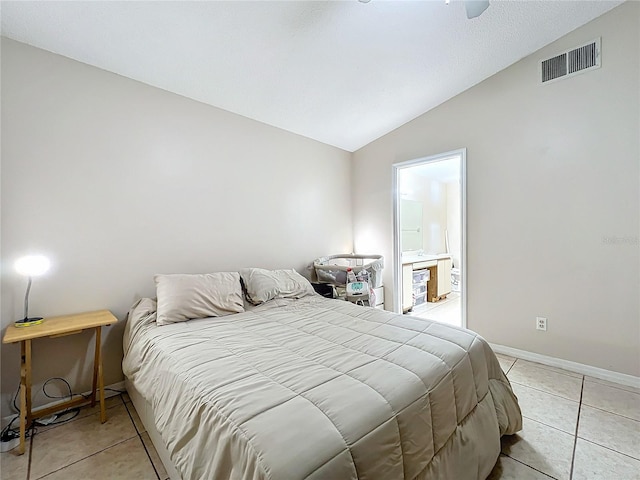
(448, 310)
(85, 449)
(575, 427)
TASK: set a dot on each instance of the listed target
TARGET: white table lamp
(30, 266)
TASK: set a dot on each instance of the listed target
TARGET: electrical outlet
(541, 324)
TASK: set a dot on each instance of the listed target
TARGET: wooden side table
(57, 327)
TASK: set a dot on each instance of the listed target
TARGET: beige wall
(115, 181)
(552, 198)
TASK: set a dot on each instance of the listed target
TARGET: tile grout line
(611, 385)
(611, 413)
(609, 448)
(79, 460)
(141, 441)
(547, 425)
(527, 465)
(509, 369)
(84, 458)
(575, 439)
(30, 452)
(551, 368)
(548, 393)
(571, 373)
(148, 455)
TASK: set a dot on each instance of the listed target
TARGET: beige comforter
(321, 389)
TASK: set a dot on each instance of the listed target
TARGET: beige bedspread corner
(506, 403)
(506, 406)
(321, 389)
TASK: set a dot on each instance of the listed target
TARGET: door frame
(397, 253)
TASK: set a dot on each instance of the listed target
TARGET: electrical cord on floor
(115, 390)
(5, 435)
(75, 410)
(15, 397)
(57, 397)
(69, 397)
(61, 397)
(9, 432)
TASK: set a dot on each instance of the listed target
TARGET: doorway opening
(429, 200)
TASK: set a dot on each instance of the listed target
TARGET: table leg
(23, 397)
(94, 387)
(25, 392)
(28, 382)
(98, 380)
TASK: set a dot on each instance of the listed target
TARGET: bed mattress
(320, 389)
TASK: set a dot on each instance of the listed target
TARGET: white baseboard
(576, 367)
(108, 393)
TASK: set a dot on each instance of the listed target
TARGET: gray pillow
(264, 285)
(184, 296)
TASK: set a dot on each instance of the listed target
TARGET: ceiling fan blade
(475, 7)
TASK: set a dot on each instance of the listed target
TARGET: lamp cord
(26, 300)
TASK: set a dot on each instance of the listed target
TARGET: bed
(314, 388)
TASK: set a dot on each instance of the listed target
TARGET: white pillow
(182, 296)
(264, 285)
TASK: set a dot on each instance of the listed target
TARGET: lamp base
(28, 322)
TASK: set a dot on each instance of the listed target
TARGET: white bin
(456, 280)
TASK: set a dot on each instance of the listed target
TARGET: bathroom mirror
(411, 225)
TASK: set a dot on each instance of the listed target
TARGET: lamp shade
(32, 265)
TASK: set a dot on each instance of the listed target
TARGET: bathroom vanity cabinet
(435, 270)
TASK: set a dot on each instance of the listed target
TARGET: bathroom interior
(431, 241)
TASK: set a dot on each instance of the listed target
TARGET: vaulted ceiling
(340, 72)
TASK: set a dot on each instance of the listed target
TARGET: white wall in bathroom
(454, 222)
(433, 196)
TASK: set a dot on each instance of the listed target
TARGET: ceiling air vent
(571, 62)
